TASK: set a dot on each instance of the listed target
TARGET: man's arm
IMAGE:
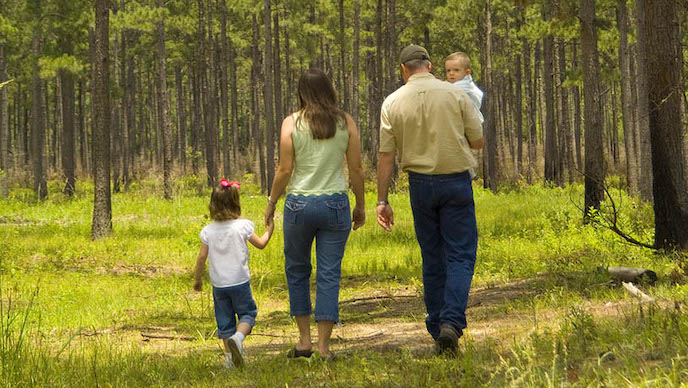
(385, 167)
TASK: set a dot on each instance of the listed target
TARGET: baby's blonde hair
(463, 58)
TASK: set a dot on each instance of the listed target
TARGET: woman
(314, 143)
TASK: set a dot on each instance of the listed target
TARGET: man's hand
(385, 217)
(198, 285)
(358, 216)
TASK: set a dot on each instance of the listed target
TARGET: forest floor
(542, 312)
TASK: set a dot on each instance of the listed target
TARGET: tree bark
(234, 103)
(255, 90)
(4, 127)
(269, 98)
(518, 106)
(665, 75)
(565, 137)
(116, 122)
(490, 107)
(102, 210)
(644, 150)
(164, 108)
(40, 185)
(594, 154)
(277, 55)
(577, 113)
(356, 112)
(342, 59)
(224, 94)
(68, 149)
(531, 99)
(181, 115)
(552, 167)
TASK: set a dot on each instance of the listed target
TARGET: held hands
(270, 223)
(385, 216)
(358, 216)
(269, 215)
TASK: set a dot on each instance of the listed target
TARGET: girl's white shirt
(228, 251)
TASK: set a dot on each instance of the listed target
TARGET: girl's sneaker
(237, 348)
(228, 361)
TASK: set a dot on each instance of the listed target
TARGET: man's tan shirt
(428, 121)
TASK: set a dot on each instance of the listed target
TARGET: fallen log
(635, 291)
(632, 275)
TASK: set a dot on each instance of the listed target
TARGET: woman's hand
(269, 213)
(358, 216)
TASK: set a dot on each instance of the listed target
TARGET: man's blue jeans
(327, 219)
(444, 219)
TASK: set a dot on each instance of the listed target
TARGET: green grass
(73, 311)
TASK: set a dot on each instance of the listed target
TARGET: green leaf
(5, 83)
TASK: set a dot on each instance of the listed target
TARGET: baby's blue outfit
(474, 93)
(476, 96)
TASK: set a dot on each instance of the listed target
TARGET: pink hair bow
(226, 183)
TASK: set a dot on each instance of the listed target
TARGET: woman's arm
(285, 167)
(262, 242)
(200, 267)
(353, 161)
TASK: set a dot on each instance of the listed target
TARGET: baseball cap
(411, 52)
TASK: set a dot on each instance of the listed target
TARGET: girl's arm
(261, 242)
(285, 167)
(353, 161)
(200, 267)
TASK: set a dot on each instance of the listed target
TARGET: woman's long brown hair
(319, 103)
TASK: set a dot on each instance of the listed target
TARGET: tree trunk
(531, 99)
(279, 107)
(40, 185)
(356, 112)
(642, 130)
(287, 65)
(234, 102)
(127, 106)
(577, 113)
(255, 108)
(4, 127)
(115, 122)
(164, 108)
(664, 69)
(565, 138)
(102, 210)
(490, 105)
(269, 98)
(377, 85)
(181, 116)
(224, 94)
(552, 171)
(594, 154)
(68, 149)
(518, 106)
(342, 59)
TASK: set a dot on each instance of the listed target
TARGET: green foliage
(50, 66)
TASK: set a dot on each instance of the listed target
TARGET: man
(433, 126)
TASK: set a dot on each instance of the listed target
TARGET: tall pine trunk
(40, 185)
(552, 168)
(644, 150)
(665, 75)
(102, 209)
(164, 109)
(268, 98)
(68, 149)
(594, 142)
(224, 93)
(4, 127)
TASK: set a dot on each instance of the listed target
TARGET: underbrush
(66, 300)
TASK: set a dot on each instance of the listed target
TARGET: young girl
(224, 241)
